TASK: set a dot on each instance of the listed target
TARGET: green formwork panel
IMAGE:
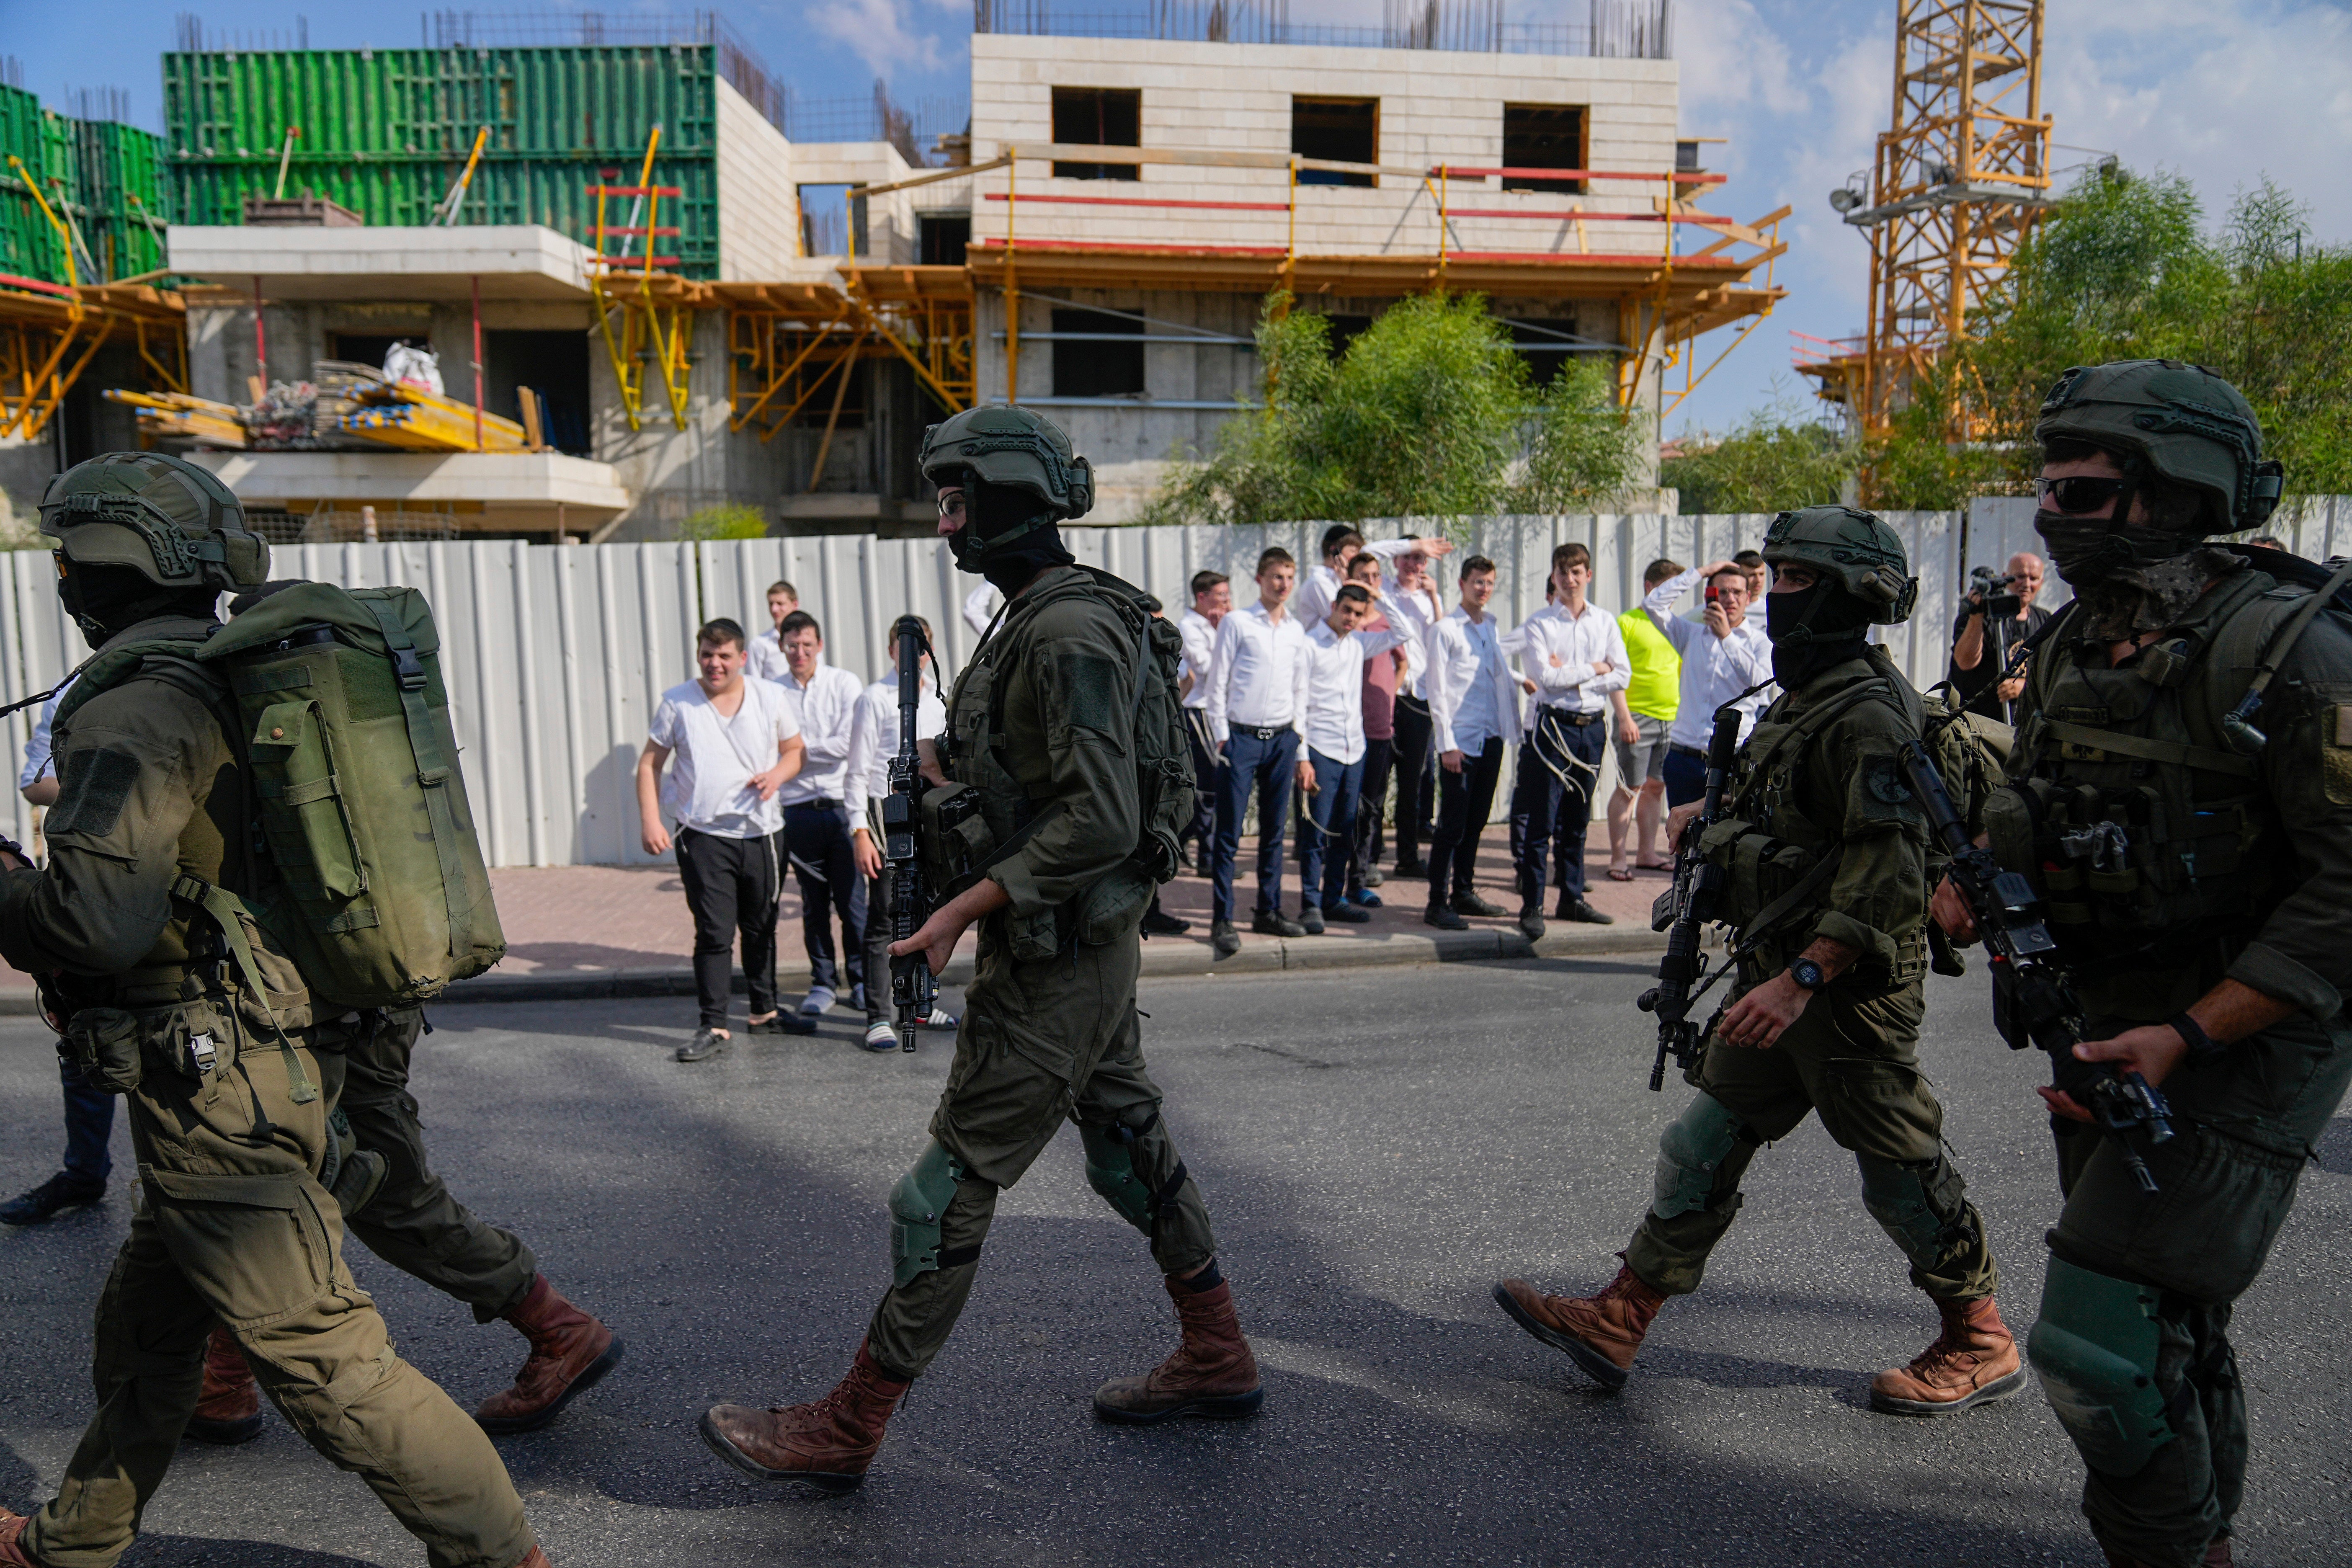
(121, 170)
(386, 131)
(28, 245)
(103, 179)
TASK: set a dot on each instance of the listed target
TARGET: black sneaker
(1531, 921)
(1310, 921)
(1467, 902)
(51, 1199)
(1348, 914)
(1160, 923)
(1444, 918)
(784, 1023)
(1576, 910)
(1414, 868)
(705, 1044)
(1273, 922)
(1226, 941)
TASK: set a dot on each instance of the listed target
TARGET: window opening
(1098, 117)
(1342, 130)
(1543, 136)
(1097, 355)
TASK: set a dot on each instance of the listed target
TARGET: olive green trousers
(2226, 1181)
(234, 1229)
(1854, 1061)
(1041, 1043)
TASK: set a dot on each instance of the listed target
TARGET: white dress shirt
(1558, 650)
(1200, 635)
(764, 656)
(1335, 687)
(980, 608)
(1472, 697)
(1257, 673)
(712, 756)
(38, 762)
(873, 740)
(1715, 670)
(828, 711)
(1312, 604)
(1413, 612)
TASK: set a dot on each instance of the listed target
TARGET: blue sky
(2225, 93)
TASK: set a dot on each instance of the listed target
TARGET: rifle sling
(1779, 909)
(228, 910)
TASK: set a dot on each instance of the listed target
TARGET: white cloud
(1732, 62)
(881, 32)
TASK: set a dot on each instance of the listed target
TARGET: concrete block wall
(1435, 107)
(759, 210)
(890, 233)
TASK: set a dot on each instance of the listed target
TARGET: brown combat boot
(228, 1408)
(537, 1559)
(13, 1554)
(1601, 1334)
(827, 1443)
(2217, 1555)
(1210, 1372)
(570, 1350)
(1973, 1362)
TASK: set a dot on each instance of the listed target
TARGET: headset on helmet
(1853, 547)
(2175, 421)
(170, 521)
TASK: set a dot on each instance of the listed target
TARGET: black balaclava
(1813, 629)
(2131, 579)
(993, 512)
(107, 600)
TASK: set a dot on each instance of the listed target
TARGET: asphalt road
(1377, 1148)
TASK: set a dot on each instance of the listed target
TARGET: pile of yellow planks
(396, 414)
(176, 417)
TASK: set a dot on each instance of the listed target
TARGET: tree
(1776, 459)
(1428, 411)
(728, 520)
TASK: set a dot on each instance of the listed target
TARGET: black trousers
(1368, 807)
(731, 885)
(1412, 760)
(817, 839)
(1551, 800)
(1464, 801)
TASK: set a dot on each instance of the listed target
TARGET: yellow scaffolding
(655, 310)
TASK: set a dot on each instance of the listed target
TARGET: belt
(1570, 716)
(1685, 750)
(1259, 731)
(822, 803)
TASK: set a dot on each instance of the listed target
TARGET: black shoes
(51, 1199)
(1348, 914)
(1310, 921)
(705, 1044)
(784, 1023)
(1444, 918)
(1273, 922)
(1467, 902)
(1531, 921)
(1576, 910)
(1160, 923)
(1224, 938)
(1415, 868)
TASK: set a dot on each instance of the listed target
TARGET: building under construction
(652, 283)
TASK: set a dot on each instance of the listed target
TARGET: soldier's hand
(2152, 1050)
(1758, 1019)
(13, 859)
(862, 849)
(1949, 910)
(2012, 690)
(927, 762)
(1678, 819)
(2061, 1103)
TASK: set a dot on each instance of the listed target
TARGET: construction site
(593, 279)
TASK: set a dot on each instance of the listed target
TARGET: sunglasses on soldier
(2081, 493)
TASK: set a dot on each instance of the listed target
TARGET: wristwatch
(2203, 1049)
(1808, 974)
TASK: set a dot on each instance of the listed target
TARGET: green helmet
(2176, 421)
(1856, 550)
(1014, 449)
(171, 521)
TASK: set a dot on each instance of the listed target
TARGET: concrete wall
(890, 233)
(1435, 107)
(758, 217)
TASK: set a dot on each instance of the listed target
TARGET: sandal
(1619, 874)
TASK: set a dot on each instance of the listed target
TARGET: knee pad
(1110, 1171)
(1918, 1203)
(2095, 1350)
(353, 1174)
(918, 1204)
(1691, 1152)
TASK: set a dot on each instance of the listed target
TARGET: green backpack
(333, 699)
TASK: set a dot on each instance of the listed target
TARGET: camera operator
(2001, 613)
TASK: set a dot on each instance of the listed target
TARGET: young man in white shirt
(736, 742)
(1574, 652)
(873, 742)
(1212, 601)
(1724, 655)
(1342, 544)
(1473, 710)
(1256, 705)
(1333, 769)
(767, 661)
(1413, 605)
(1383, 673)
(816, 804)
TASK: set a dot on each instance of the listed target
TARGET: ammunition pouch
(116, 1049)
(956, 838)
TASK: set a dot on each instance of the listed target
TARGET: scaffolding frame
(655, 310)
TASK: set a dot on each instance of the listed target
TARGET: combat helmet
(173, 522)
(2174, 421)
(1009, 448)
(1852, 549)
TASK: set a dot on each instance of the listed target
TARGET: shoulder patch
(1884, 778)
(94, 788)
(1091, 692)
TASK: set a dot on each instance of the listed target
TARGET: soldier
(1054, 729)
(1825, 853)
(2196, 876)
(228, 1123)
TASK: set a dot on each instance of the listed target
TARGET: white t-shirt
(712, 757)
(37, 760)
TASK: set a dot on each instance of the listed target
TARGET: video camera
(1997, 596)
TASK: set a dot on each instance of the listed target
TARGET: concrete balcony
(493, 494)
(512, 261)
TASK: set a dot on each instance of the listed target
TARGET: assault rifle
(914, 989)
(2033, 1002)
(1686, 906)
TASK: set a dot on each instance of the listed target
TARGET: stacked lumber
(178, 418)
(403, 415)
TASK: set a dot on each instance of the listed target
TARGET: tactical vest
(967, 829)
(2154, 845)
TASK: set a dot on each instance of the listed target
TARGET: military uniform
(227, 1118)
(2170, 859)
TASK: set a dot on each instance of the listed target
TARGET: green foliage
(1778, 459)
(728, 520)
(1428, 411)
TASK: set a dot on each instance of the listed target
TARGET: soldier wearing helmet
(1825, 855)
(2179, 795)
(1072, 785)
(219, 1068)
